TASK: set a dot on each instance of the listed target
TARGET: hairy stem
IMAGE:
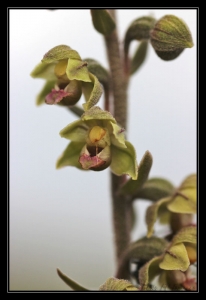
(121, 207)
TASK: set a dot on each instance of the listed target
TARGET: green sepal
(60, 52)
(148, 272)
(71, 283)
(75, 131)
(114, 284)
(187, 234)
(96, 113)
(155, 189)
(102, 21)
(92, 92)
(124, 161)
(152, 214)
(175, 258)
(40, 99)
(139, 30)
(70, 156)
(44, 71)
(131, 187)
(139, 57)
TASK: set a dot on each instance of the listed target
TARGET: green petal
(92, 92)
(131, 187)
(114, 284)
(60, 52)
(102, 21)
(175, 258)
(77, 69)
(71, 283)
(96, 113)
(45, 71)
(70, 156)
(186, 234)
(149, 271)
(75, 131)
(117, 137)
(189, 182)
(124, 161)
(184, 202)
(40, 99)
(152, 214)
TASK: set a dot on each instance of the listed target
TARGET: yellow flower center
(96, 134)
(60, 68)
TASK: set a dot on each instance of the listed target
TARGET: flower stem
(121, 207)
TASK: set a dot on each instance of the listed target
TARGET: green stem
(121, 207)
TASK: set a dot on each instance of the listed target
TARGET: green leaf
(139, 57)
(75, 131)
(44, 71)
(92, 92)
(131, 187)
(102, 21)
(148, 272)
(152, 214)
(77, 69)
(124, 161)
(60, 52)
(114, 284)
(70, 156)
(71, 283)
(40, 99)
(96, 113)
(175, 258)
(155, 189)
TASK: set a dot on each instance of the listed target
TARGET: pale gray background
(62, 218)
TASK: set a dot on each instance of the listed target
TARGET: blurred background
(62, 218)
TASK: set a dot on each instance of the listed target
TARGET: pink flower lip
(55, 96)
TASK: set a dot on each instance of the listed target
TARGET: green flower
(173, 267)
(67, 77)
(97, 142)
(181, 204)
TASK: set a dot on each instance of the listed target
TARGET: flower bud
(170, 36)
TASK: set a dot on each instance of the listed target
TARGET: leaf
(70, 156)
(152, 214)
(124, 161)
(155, 189)
(131, 187)
(40, 99)
(60, 52)
(139, 57)
(71, 283)
(102, 21)
(92, 92)
(175, 258)
(114, 284)
(75, 131)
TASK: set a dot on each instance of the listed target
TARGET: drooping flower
(97, 142)
(67, 77)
